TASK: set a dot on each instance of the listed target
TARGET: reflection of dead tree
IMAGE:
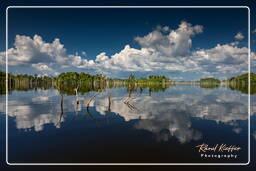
(88, 113)
(58, 87)
(88, 103)
(127, 102)
(141, 90)
(77, 99)
(61, 109)
(130, 99)
(109, 108)
(131, 106)
(109, 103)
(130, 91)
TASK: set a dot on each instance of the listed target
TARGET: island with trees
(68, 81)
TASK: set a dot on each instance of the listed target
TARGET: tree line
(74, 77)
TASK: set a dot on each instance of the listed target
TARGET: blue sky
(109, 30)
(121, 40)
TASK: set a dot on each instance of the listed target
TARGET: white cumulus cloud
(239, 36)
(164, 50)
(175, 43)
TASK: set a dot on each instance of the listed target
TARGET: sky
(182, 44)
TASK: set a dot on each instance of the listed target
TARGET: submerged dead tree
(127, 102)
(62, 111)
(61, 105)
(130, 99)
(77, 99)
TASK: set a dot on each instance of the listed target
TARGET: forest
(68, 81)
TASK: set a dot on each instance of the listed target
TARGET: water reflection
(62, 112)
(209, 86)
(166, 113)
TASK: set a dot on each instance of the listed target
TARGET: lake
(116, 125)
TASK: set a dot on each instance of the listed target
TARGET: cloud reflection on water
(166, 114)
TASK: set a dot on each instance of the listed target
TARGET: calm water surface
(149, 126)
